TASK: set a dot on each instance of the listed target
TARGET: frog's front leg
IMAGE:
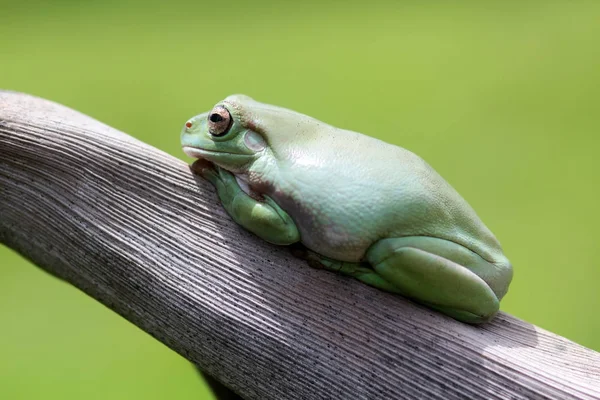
(263, 218)
(442, 275)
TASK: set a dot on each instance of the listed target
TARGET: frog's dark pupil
(216, 118)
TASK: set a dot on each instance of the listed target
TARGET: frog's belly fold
(334, 232)
(334, 241)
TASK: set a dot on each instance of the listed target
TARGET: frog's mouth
(233, 162)
(214, 155)
(197, 152)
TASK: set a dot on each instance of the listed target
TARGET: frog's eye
(219, 121)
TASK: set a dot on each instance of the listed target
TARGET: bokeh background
(502, 98)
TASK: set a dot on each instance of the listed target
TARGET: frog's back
(349, 190)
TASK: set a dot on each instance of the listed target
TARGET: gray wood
(133, 228)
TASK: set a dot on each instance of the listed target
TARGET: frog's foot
(442, 275)
(204, 168)
(360, 271)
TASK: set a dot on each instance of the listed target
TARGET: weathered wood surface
(132, 227)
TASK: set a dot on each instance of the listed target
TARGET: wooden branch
(132, 227)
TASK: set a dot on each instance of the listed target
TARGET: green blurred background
(502, 98)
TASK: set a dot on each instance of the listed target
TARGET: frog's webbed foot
(442, 275)
(261, 217)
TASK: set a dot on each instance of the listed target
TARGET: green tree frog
(360, 206)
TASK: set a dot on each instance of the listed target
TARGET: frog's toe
(464, 316)
(205, 169)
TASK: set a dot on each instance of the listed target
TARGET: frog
(359, 206)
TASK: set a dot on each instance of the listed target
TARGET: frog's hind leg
(360, 271)
(442, 275)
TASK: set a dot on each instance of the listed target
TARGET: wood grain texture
(132, 227)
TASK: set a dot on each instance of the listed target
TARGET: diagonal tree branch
(132, 227)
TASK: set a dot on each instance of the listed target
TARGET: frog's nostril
(188, 124)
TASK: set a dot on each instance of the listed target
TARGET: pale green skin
(365, 208)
